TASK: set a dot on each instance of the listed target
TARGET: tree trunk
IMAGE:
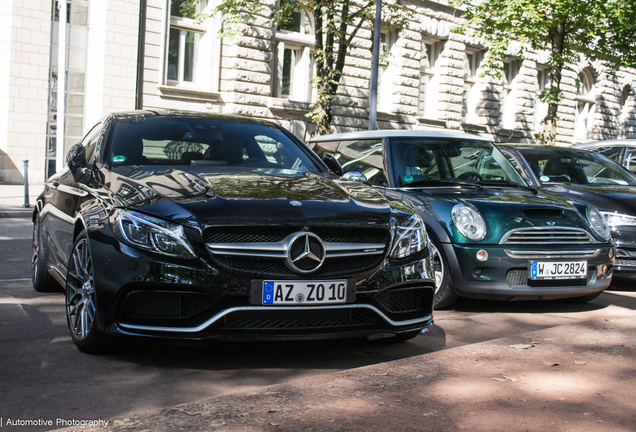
(555, 74)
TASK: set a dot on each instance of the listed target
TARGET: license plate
(304, 292)
(547, 270)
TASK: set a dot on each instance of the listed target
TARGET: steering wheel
(470, 176)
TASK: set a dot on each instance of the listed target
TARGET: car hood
(503, 209)
(615, 198)
(258, 197)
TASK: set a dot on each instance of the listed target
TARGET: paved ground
(577, 377)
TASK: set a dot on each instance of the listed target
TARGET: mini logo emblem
(518, 219)
(551, 223)
(296, 203)
(305, 253)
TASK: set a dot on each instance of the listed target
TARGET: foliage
(337, 23)
(570, 30)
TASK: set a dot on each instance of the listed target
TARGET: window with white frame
(184, 40)
(386, 70)
(294, 63)
(508, 101)
(429, 78)
(627, 111)
(471, 94)
(540, 107)
(585, 102)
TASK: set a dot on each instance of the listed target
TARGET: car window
(418, 161)
(629, 161)
(364, 156)
(321, 148)
(205, 142)
(609, 152)
(516, 163)
(575, 166)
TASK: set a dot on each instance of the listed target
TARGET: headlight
(618, 219)
(408, 238)
(151, 234)
(597, 223)
(469, 222)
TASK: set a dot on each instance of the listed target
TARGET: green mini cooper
(493, 235)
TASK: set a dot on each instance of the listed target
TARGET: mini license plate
(304, 292)
(546, 270)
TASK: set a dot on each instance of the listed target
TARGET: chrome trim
(220, 315)
(553, 255)
(279, 249)
(537, 235)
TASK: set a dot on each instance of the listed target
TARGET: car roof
(605, 143)
(538, 146)
(186, 114)
(395, 133)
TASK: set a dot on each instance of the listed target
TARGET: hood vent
(543, 213)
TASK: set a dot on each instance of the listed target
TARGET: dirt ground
(577, 377)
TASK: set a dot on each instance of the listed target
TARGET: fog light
(482, 255)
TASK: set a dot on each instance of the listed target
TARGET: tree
(602, 30)
(337, 23)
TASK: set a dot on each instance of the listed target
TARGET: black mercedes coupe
(196, 226)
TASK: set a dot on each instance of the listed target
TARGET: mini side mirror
(332, 163)
(355, 176)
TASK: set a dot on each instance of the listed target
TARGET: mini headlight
(597, 222)
(408, 238)
(469, 222)
(619, 219)
(152, 234)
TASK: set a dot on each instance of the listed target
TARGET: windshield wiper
(504, 182)
(437, 182)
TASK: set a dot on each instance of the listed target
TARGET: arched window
(585, 101)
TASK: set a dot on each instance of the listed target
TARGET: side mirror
(76, 162)
(332, 163)
(355, 176)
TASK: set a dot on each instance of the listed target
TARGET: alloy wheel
(438, 266)
(80, 291)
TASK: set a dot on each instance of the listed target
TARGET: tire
(81, 301)
(40, 276)
(444, 294)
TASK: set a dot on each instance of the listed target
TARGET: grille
(274, 234)
(262, 251)
(518, 278)
(625, 262)
(276, 267)
(542, 235)
(300, 320)
(163, 304)
(403, 300)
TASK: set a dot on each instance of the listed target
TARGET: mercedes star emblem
(306, 253)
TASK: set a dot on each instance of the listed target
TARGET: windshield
(208, 143)
(575, 166)
(431, 161)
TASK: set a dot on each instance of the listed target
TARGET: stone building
(430, 79)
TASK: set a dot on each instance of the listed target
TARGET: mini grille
(547, 236)
(518, 278)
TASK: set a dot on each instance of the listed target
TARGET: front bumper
(144, 294)
(504, 274)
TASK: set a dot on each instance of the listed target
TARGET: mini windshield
(208, 143)
(436, 161)
(575, 166)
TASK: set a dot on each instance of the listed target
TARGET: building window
(294, 63)
(471, 93)
(508, 105)
(429, 78)
(540, 107)
(75, 71)
(627, 115)
(585, 103)
(386, 71)
(183, 42)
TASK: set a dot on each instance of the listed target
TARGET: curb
(26, 213)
